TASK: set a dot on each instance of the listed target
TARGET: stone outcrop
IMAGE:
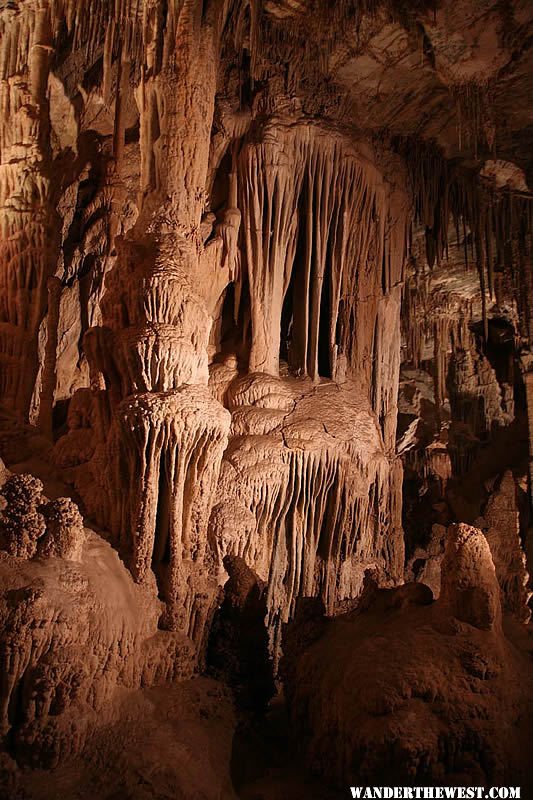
(64, 533)
(469, 589)
(501, 525)
(502, 528)
(75, 635)
(31, 526)
(429, 710)
(21, 522)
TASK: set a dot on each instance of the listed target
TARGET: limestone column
(168, 433)
(29, 232)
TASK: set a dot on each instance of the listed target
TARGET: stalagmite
(361, 711)
(469, 588)
(501, 525)
(266, 389)
(64, 535)
(21, 522)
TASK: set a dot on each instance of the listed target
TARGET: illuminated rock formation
(21, 522)
(64, 533)
(307, 494)
(30, 226)
(501, 524)
(428, 711)
(266, 311)
(73, 633)
(469, 589)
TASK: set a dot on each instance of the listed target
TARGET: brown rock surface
(266, 312)
(74, 635)
(434, 708)
(501, 524)
(64, 533)
(21, 520)
(171, 741)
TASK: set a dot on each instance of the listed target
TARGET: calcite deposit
(266, 379)
(427, 712)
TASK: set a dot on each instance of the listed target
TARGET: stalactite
(475, 119)
(308, 501)
(150, 329)
(175, 439)
(300, 191)
(474, 391)
(490, 220)
(433, 314)
(312, 504)
(225, 273)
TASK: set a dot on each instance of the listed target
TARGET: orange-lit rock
(266, 312)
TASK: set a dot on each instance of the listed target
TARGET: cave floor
(179, 742)
(265, 766)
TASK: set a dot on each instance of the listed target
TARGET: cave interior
(266, 397)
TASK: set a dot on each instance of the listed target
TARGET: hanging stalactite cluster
(492, 226)
(326, 242)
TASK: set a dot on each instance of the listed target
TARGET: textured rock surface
(307, 494)
(21, 521)
(501, 524)
(76, 634)
(469, 588)
(173, 741)
(427, 712)
(64, 533)
(266, 312)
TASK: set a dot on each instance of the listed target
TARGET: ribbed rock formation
(266, 312)
(307, 494)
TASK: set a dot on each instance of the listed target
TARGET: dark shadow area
(161, 552)
(237, 650)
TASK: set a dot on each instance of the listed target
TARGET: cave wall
(203, 314)
(225, 228)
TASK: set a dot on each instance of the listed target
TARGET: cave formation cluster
(266, 383)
